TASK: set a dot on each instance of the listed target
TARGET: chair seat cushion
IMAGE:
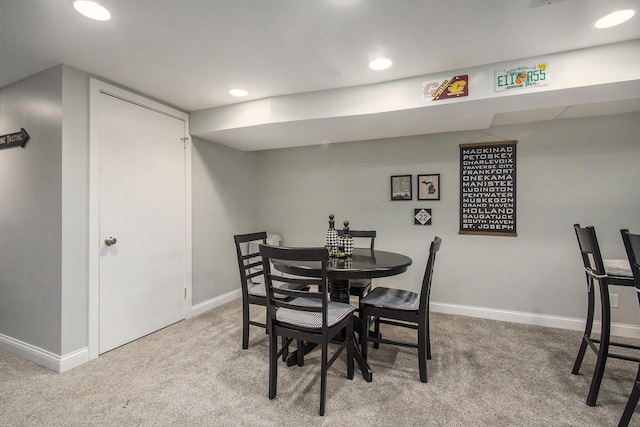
(392, 298)
(617, 267)
(336, 312)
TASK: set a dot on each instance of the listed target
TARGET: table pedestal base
(339, 290)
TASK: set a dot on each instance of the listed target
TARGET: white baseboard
(76, 358)
(617, 329)
(215, 302)
(43, 357)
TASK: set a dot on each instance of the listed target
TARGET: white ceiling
(189, 53)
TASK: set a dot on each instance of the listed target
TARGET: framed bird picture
(429, 187)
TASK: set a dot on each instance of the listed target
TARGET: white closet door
(142, 206)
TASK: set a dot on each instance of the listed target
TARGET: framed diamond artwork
(422, 216)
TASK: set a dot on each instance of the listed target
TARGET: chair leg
(351, 349)
(323, 375)
(273, 363)
(376, 331)
(363, 293)
(422, 349)
(428, 338)
(587, 329)
(300, 352)
(285, 346)
(603, 350)
(245, 325)
(363, 327)
(598, 373)
(580, 356)
(631, 403)
(364, 335)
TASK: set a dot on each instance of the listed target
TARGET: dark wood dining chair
(405, 309)
(596, 273)
(250, 266)
(632, 247)
(360, 287)
(251, 278)
(309, 316)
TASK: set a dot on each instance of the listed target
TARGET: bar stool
(596, 271)
(632, 246)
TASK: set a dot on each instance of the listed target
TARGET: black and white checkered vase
(332, 240)
(346, 241)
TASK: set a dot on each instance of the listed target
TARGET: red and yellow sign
(456, 87)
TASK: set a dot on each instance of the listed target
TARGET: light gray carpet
(483, 373)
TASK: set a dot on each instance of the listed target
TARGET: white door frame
(96, 88)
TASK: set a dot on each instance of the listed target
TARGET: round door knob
(110, 241)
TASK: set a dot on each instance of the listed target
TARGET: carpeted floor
(194, 373)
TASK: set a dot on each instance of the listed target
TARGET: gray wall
(75, 209)
(568, 171)
(225, 187)
(31, 213)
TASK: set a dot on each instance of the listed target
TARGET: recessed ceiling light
(380, 64)
(92, 10)
(614, 18)
(238, 92)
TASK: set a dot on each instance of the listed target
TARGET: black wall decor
(17, 139)
(428, 186)
(488, 188)
(401, 188)
(422, 216)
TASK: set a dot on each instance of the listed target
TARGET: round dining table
(364, 263)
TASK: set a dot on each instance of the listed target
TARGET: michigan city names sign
(488, 188)
(16, 139)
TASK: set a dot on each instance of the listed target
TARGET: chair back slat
(255, 273)
(293, 288)
(250, 265)
(297, 307)
(294, 280)
(251, 256)
(590, 250)
(425, 291)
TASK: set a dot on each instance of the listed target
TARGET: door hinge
(185, 293)
(184, 142)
